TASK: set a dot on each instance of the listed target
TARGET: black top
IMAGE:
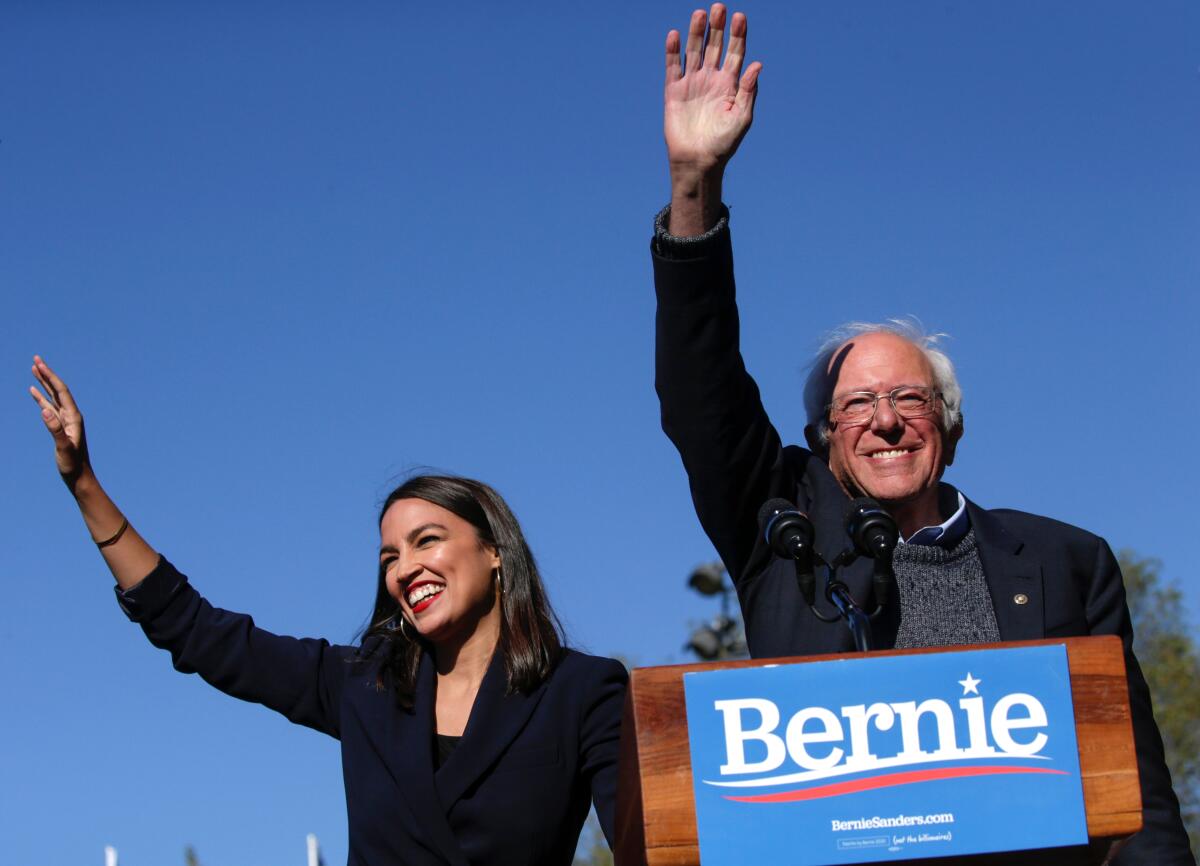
(445, 748)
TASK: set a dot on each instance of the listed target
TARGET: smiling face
(895, 460)
(438, 570)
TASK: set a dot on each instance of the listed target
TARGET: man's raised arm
(710, 406)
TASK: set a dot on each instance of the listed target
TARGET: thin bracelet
(116, 536)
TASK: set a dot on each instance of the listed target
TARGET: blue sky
(287, 253)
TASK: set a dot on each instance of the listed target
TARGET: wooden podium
(656, 815)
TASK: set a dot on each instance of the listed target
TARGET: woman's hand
(65, 423)
(126, 553)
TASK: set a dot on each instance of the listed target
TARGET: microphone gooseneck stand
(873, 533)
(838, 594)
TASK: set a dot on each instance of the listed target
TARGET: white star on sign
(970, 685)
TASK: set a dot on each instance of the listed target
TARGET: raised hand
(64, 421)
(708, 106)
(130, 560)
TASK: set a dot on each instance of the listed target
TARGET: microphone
(789, 533)
(874, 534)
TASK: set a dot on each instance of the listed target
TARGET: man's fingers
(695, 39)
(748, 88)
(750, 79)
(716, 36)
(674, 72)
(737, 45)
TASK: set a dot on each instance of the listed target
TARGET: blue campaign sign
(869, 759)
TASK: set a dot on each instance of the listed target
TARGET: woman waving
(469, 733)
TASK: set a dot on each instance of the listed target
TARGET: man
(884, 421)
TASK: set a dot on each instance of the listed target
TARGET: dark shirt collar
(951, 531)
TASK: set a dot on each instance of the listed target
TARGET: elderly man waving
(884, 421)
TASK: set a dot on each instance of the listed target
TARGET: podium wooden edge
(656, 822)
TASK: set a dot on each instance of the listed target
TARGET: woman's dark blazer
(515, 791)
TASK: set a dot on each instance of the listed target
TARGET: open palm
(708, 106)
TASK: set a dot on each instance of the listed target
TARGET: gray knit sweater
(944, 598)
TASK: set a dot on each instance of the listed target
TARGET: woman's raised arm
(127, 554)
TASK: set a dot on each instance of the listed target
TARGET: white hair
(818, 387)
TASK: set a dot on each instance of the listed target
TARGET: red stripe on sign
(889, 781)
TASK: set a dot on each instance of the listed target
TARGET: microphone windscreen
(870, 527)
(864, 504)
(772, 507)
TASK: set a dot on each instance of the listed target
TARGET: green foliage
(1171, 662)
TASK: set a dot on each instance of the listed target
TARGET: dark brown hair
(530, 634)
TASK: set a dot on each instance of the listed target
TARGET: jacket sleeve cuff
(670, 246)
(149, 598)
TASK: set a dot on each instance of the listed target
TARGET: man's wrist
(695, 202)
(696, 171)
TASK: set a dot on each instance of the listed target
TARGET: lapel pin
(1021, 598)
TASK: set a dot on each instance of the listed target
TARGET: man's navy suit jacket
(517, 788)
(1046, 579)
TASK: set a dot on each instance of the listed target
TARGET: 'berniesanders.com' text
(878, 823)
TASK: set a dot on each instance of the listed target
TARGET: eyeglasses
(908, 401)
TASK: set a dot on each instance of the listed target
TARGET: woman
(469, 734)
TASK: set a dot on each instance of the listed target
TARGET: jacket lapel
(496, 720)
(1014, 581)
(829, 524)
(407, 752)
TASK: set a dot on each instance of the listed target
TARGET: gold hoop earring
(403, 620)
(499, 580)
